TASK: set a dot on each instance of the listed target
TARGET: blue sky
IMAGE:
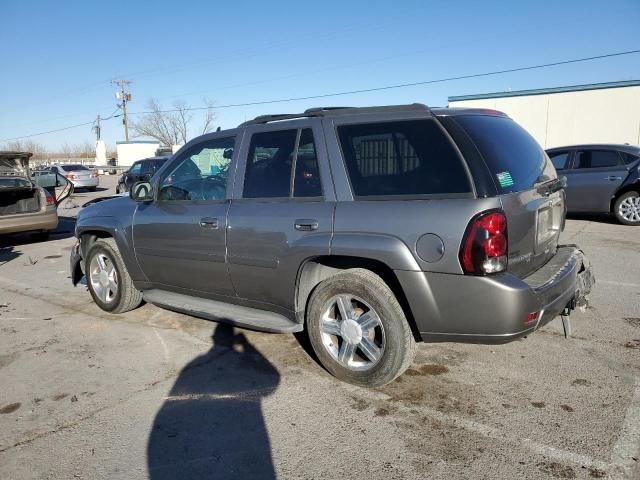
(58, 57)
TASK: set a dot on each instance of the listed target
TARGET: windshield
(73, 168)
(515, 159)
(14, 183)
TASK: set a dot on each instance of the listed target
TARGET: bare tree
(170, 126)
(66, 151)
(27, 146)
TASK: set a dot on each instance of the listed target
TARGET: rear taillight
(94, 175)
(50, 200)
(484, 248)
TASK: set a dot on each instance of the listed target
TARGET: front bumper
(494, 309)
(76, 264)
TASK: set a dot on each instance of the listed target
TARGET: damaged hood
(15, 164)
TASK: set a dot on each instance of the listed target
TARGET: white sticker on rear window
(505, 180)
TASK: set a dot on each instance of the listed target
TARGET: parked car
(142, 170)
(29, 204)
(371, 228)
(601, 179)
(79, 175)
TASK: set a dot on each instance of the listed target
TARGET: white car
(79, 175)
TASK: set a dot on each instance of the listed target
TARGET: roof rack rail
(327, 111)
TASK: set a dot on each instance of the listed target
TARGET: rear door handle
(208, 222)
(612, 178)
(306, 225)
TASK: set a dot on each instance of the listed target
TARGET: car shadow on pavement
(594, 217)
(211, 424)
(7, 253)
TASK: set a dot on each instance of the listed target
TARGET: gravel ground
(155, 394)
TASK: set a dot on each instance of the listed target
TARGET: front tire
(108, 280)
(627, 208)
(358, 330)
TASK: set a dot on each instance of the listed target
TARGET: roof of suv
(328, 112)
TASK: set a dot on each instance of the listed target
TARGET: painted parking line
(619, 284)
(628, 445)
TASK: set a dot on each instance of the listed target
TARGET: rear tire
(627, 208)
(375, 344)
(108, 279)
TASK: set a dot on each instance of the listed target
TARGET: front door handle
(208, 222)
(306, 225)
(612, 178)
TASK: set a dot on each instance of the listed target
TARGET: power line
(401, 85)
(353, 92)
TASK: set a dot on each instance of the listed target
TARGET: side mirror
(563, 181)
(141, 192)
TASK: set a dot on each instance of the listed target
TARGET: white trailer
(129, 152)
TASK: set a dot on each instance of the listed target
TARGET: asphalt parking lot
(155, 394)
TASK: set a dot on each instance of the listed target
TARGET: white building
(129, 152)
(596, 113)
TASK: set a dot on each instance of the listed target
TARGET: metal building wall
(608, 115)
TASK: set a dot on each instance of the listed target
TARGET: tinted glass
(307, 181)
(200, 173)
(268, 172)
(14, 183)
(597, 159)
(559, 159)
(514, 158)
(629, 158)
(401, 158)
(73, 168)
(136, 168)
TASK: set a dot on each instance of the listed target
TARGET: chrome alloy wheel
(629, 209)
(103, 277)
(352, 332)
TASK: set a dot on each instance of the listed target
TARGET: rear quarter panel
(406, 221)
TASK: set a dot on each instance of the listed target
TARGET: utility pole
(97, 128)
(123, 96)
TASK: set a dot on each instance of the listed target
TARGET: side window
(269, 163)
(401, 158)
(628, 158)
(200, 173)
(136, 168)
(307, 179)
(597, 159)
(559, 159)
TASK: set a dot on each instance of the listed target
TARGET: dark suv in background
(142, 170)
(371, 228)
(601, 179)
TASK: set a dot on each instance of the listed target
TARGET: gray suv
(370, 228)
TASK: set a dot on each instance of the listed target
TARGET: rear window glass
(73, 168)
(14, 183)
(401, 158)
(514, 158)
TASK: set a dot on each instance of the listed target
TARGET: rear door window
(514, 158)
(597, 159)
(559, 159)
(401, 158)
(273, 158)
